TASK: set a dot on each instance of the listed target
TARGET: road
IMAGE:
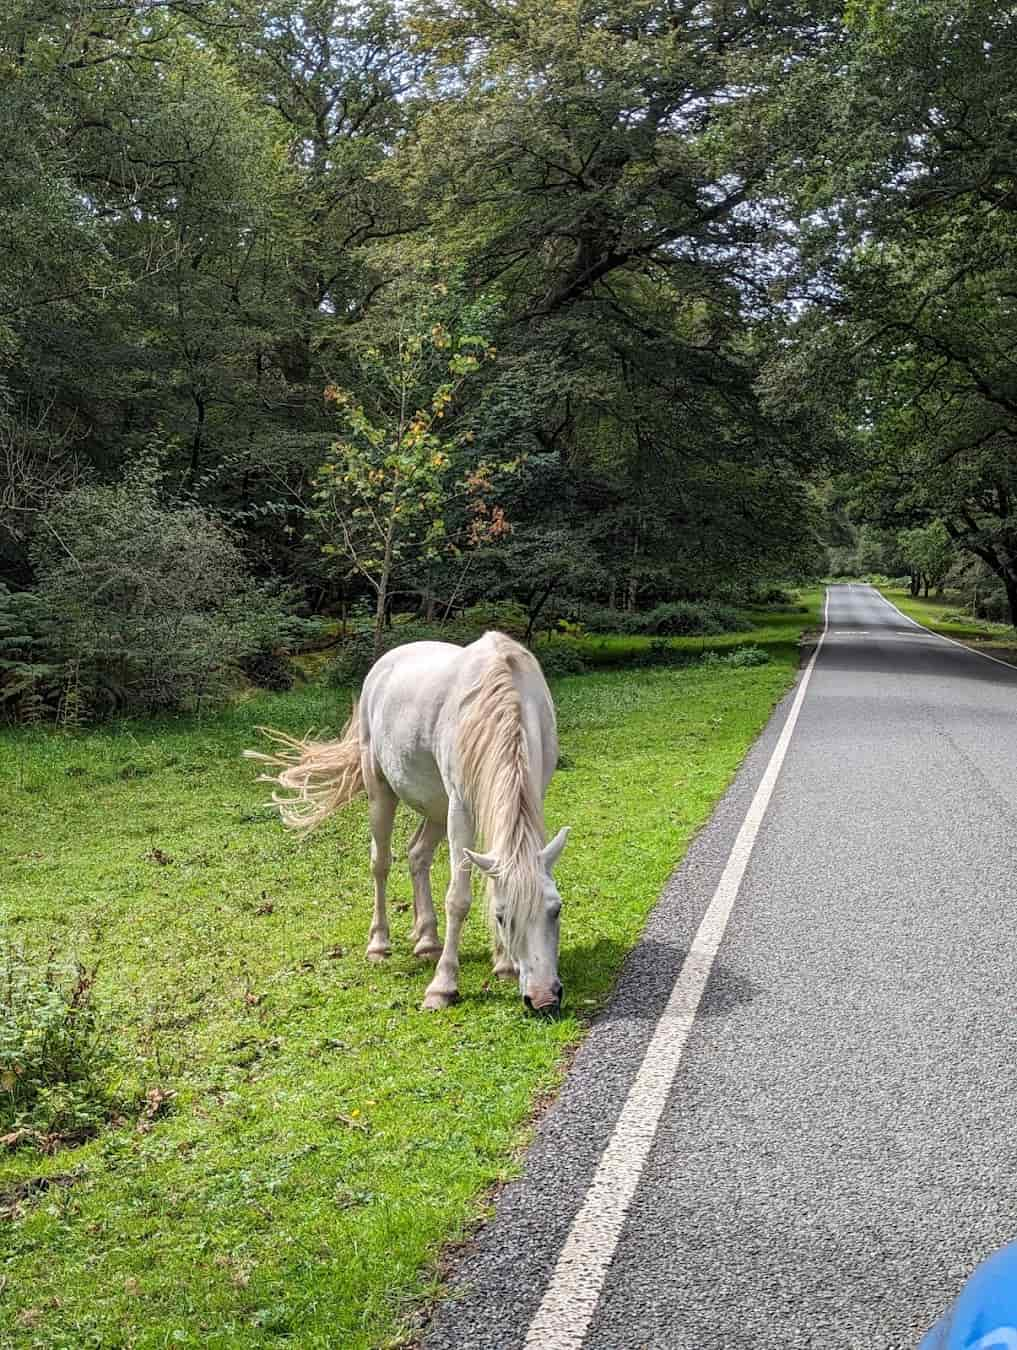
(838, 1146)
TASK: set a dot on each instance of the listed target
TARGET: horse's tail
(322, 775)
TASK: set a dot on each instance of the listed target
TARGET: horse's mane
(496, 774)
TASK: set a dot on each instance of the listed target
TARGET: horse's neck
(515, 819)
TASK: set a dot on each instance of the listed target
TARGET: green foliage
(504, 616)
(268, 669)
(148, 606)
(928, 551)
(54, 1053)
(740, 659)
(763, 593)
(382, 492)
(25, 676)
(560, 658)
(682, 618)
(298, 177)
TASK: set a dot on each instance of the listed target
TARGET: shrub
(738, 659)
(746, 656)
(354, 659)
(762, 594)
(678, 618)
(53, 1053)
(682, 618)
(559, 658)
(26, 678)
(663, 652)
(505, 615)
(268, 669)
(603, 619)
(149, 606)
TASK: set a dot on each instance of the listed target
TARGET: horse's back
(411, 709)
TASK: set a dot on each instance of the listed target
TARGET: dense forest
(351, 312)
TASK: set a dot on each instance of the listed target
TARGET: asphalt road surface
(838, 1146)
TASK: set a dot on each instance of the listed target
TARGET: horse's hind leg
(421, 854)
(383, 808)
(444, 988)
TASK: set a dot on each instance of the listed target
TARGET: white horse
(466, 737)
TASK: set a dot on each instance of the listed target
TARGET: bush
(149, 607)
(559, 658)
(682, 618)
(738, 659)
(663, 652)
(505, 616)
(26, 678)
(354, 659)
(603, 619)
(762, 594)
(269, 669)
(53, 1053)
(679, 618)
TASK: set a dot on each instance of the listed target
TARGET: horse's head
(530, 938)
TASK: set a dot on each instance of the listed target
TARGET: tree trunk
(198, 439)
(379, 613)
(535, 613)
(1010, 582)
(381, 608)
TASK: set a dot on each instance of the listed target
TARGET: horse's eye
(499, 917)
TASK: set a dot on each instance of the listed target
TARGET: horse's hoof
(506, 972)
(378, 954)
(427, 950)
(436, 1002)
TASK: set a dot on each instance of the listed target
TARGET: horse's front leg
(421, 855)
(383, 802)
(504, 967)
(444, 988)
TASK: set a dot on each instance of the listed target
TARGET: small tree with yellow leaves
(382, 493)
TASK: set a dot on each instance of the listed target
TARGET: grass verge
(944, 616)
(324, 1139)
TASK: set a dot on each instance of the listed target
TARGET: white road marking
(942, 636)
(569, 1302)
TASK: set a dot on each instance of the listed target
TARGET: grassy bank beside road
(325, 1138)
(944, 616)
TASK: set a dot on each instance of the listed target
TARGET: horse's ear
(552, 852)
(482, 860)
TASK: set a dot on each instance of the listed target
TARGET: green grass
(326, 1138)
(933, 614)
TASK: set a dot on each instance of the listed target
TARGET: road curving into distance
(796, 1123)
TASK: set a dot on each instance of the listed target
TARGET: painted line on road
(942, 636)
(570, 1300)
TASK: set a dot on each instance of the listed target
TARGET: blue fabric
(984, 1316)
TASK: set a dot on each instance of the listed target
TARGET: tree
(908, 252)
(383, 492)
(929, 554)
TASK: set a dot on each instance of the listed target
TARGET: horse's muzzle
(548, 1002)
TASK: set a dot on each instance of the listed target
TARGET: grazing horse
(466, 737)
